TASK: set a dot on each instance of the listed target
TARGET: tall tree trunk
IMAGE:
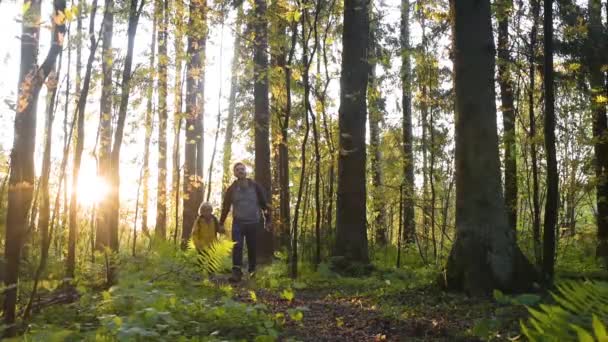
(82, 102)
(375, 102)
(278, 50)
(102, 239)
(234, 78)
(135, 9)
(505, 81)
(261, 118)
(552, 176)
(290, 241)
(351, 239)
(296, 212)
(596, 43)
(178, 109)
(161, 12)
(21, 181)
(533, 152)
(44, 216)
(149, 127)
(485, 255)
(409, 224)
(219, 115)
(197, 38)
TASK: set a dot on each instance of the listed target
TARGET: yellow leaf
(601, 99)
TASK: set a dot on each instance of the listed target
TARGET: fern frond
(216, 257)
(580, 309)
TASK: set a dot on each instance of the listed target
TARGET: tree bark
(261, 118)
(22, 171)
(102, 239)
(234, 90)
(533, 152)
(135, 9)
(409, 224)
(197, 38)
(178, 109)
(376, 113)
(149, 127)
(81, 105)
(596, 43)
(351, 239)
(508, 111)
(552, 176)
(161, 12)
(485, 255)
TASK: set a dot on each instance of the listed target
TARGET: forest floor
(164, 296)
(374, 309)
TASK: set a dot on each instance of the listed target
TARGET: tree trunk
(31, 79)
(533, 151)
(351, 239)
(409, 224)
(161, 12)
(44, 216)
(376, 113)
(296, 212)
(113, 214)
(595, 45)
(197, 38)
(102, 239)
(178, 109)
(485, 255)
(82, 102)
(261, 118)
(552, 176)
(234, 79)
(149, 127)
(508, 111)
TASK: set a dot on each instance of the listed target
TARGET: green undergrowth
(162, 295)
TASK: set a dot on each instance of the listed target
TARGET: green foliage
(578, 313)
(215, 258)
(158, 297)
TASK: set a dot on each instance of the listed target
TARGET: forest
(419, 170)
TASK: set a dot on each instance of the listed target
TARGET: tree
(135, 9)
(262, 117)
(596, 45)
(21, 180)
(234, 78)
(80, 108)
(162, 13)
(533, 152)
(178, 106)
(409, 224)
(485, 255)
(149, 122)
(504, 9)
(351, 239)
(105, 123)
(552, 176)
(195, 87)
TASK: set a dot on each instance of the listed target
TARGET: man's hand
(268, 226)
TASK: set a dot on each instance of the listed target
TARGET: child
(205, 227)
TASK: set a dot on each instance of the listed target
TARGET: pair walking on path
(250, 213)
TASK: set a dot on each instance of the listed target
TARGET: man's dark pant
(244, 232)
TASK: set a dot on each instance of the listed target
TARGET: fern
(578, 314)
(215, 258)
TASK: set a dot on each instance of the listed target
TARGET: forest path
(329, 316)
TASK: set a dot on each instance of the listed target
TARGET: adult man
(248, 202)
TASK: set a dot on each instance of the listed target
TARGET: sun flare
(91, 188)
